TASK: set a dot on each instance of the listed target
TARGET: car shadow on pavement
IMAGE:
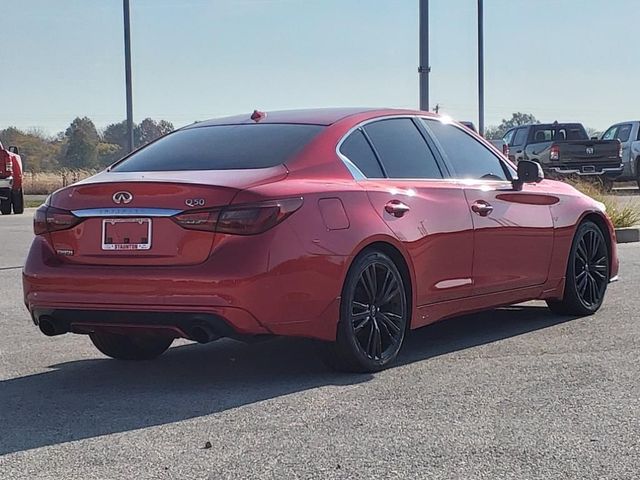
(89, 398)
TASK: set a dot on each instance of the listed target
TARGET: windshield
(221, 147)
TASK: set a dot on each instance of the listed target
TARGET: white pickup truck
(629, 135)
(499, 144)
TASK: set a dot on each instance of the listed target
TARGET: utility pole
(424, 68)
(127, 73)
(480, 68)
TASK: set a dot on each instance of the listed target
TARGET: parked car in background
(565, 149)
(11, 194)
(628, 134)
(498, 143)
(350, 226)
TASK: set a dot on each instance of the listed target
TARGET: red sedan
(347, 226)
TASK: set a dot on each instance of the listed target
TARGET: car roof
(313, 116)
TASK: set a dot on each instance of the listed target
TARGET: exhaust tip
(203, 334)
(50, 327)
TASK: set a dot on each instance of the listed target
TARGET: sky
(565, 60)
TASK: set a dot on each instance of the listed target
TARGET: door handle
(396, 208)
(482, 208)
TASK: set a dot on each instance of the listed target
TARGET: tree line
(81, 146)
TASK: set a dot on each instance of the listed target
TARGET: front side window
(468, 157)
(520, 137)
(357, 149)
(624, 132)
(508, 137)
(221, 147)
(610, 134)
(403, 151)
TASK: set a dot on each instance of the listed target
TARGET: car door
(513, 230)
(429, 214)
(518, 142)
(622, 132)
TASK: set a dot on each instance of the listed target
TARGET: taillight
(8, 167)
(242, 219)
(49, 219)
(555, 152)
(505, 150)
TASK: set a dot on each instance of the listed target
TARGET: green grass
(33, 203)
(622, 216)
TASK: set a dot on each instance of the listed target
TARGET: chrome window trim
(348, 163)
(125, 212)
(505, 166)
(358, 175)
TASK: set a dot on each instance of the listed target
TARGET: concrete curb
(628, 235)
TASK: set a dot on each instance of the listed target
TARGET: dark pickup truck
(565, 149)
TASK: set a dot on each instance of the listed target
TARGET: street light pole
(424, 68)
(480, 68)
(127, 74)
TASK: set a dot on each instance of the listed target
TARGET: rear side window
(402, 149)
(357, 149)
(468, 157)
(221, 147)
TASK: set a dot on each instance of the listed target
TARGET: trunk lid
(592, 152)
(126, 217)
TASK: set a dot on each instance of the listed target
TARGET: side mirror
(528, 172)
(13, 149)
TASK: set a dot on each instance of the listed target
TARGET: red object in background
(267, 250)
(11, 179)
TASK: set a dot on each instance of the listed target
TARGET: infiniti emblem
(122, 197)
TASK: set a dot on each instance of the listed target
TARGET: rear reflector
(49, 219)
(242, 219)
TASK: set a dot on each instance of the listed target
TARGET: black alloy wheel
(587, 273)
(374, 315)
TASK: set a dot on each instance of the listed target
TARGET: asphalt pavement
(516, 393)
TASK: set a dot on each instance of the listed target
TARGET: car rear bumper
(222, 322)
(238, 289)
(612, 172)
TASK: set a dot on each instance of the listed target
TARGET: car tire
(17, 199)
(587, 273)
(374, 316)
(130, 347)
(5, 207)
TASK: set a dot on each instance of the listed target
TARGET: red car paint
(288, 279)
(10, 173)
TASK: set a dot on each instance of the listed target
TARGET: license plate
(126, 234)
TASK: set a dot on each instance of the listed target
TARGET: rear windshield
(221, 147)
(558, 133)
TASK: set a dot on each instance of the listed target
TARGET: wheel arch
(603, 225)
(400, 259)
